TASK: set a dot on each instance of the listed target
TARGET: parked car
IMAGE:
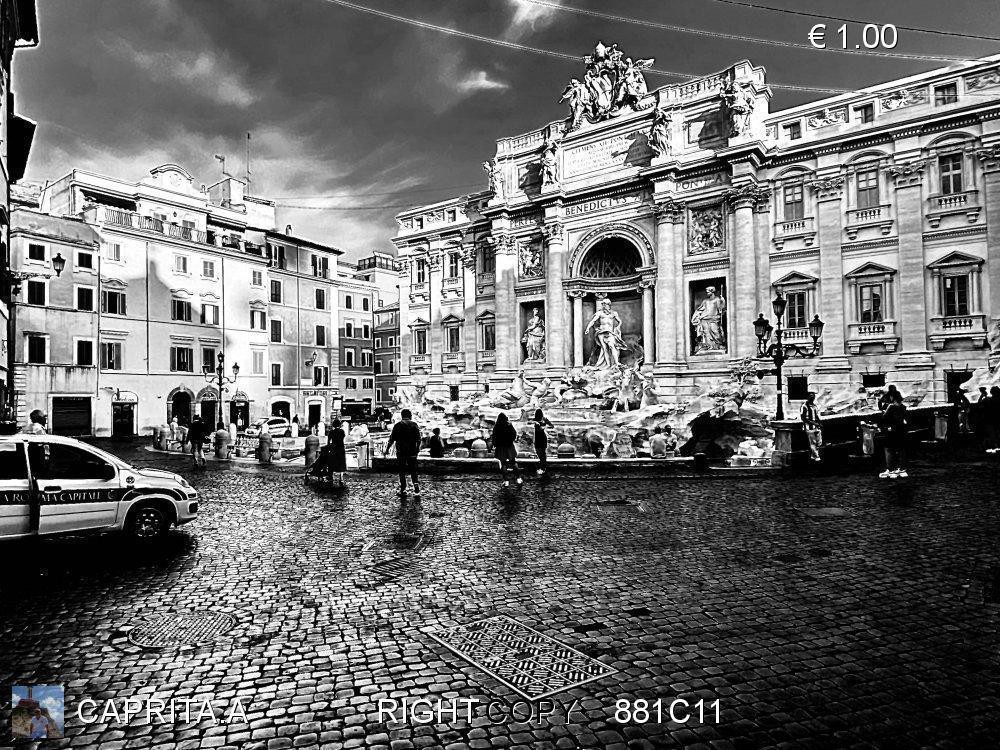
(54, 485)
(277, 426)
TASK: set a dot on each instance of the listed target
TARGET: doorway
(239, 414)
(954, 381)
(180, 407)
(122, 421)
(281, 409)
(71, 415)
(208, 411)
(315, 414)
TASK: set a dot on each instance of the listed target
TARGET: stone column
(405, 333)
(829, 192)
(577, 328)
(508, 338)
(762, 217)
(555, 295)
(990, 159)
(908, 179)
(435, 335)
(669, 276)
(470, 335)
(743, 296)
(648, 331)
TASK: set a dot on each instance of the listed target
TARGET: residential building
(386, 354)
(356, 318)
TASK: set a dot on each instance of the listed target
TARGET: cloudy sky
(354, 115)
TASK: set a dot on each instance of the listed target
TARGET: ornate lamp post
(780, 352)
(10, 286)
(218, 377)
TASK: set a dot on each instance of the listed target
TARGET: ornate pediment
(870, 269)
(957, 258)
(419, 323)
(796, 277)
(486, 315)
(451, 319)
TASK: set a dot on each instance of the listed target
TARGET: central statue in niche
(608, 336)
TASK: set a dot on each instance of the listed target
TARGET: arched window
(611, 258)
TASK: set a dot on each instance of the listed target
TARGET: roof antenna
(222, 161)
(248, 162)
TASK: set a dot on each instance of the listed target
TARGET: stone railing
(487, 355)
(785, 230)
(453, 358)
(876, 332)
(953, 200)
(946, 204)
(420, 360)
(118, 217)
(795, 334)
(971, 326)
(452, 282)
(868, 215)
(487, 278)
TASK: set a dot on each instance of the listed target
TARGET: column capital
(576, 293)
(468, 254)
(990, 157)
(748, 195)
(670, 211)
(646, 284)
(434, 260)
(828, 188)
(505, 244)
(907, 173)
(554, 231)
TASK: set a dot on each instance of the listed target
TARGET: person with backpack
(337, 454)
(812, 426)
(893, 423)
(405, 436)
(504, 437)
(541, 441)
(197, 433)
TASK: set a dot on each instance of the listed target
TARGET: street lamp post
(218, 377)
(780, 352)
(10, 287)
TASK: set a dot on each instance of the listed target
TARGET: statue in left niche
(534, 338)
(739, 103)
(659, 132)
(549, 163)
(497, 182)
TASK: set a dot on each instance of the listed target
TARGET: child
(437, 447)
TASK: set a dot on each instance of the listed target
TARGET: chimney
(288, 228)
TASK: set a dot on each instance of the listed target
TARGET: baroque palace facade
(688, 207)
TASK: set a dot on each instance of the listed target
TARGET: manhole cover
(528, 662)
(188, 629)
(824, 512)
(618, 506)
(392, 568)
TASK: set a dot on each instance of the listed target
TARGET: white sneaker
(539, 472)
(902, 473)
(885, 474)
(505, 484)
(520, 481)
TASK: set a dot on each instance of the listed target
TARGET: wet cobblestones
(877, 627)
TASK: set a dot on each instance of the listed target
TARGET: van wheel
(147, 523)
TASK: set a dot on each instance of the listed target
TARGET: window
(84, 353)
(451, 214)
(489, 260)
(366, 359)
(349, 330)
(208, 269)
(489, 337)
(454, 265)
(181, 359)
(453, 339)
(798, 387)
(180, 310)
(210, 315)
(257, 278)
(180, 264)
(946, 94)
(37, 346)
(873, 379)
(950, 168)
(320, 335)
(793, 131)
(258, 320)
(85, 298)
(85, 261)
(321, 375)
(113, 252)
(275, 331)
(868, 188)
(36, 292)
(36, 252)
(365, 304)
(320, 299)
(208, 359)
(378, 395)
(60, 461)
(351, 384)
(865, 113)
(870, 302)
(348, 302)
(419, 222)
(320, 266)
(392, 341)
(794, 205)
(420, 341)
(453, 393)
(113, 303)
(378, 342)
(378, 368)
(368, 383)
(366, 331)
(111, 355)
(257, 362)
(795, 313)
(956, 295)
(276, 291)
(275, 373)
(421, 271)
(349, 357)
(392, 366)
(279, 256)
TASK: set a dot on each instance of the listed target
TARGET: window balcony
(117, 217)
(420, 360)
(486, 358)
(878, 333)
(946, 328)
(803, 229)
(451, 288)
(453, 359)
(795, 335)
(876, 217)
(952, 204)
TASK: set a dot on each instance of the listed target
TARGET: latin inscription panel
(627, 149)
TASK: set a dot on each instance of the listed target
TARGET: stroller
(322, 468)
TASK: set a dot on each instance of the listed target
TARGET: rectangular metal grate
(527, 661)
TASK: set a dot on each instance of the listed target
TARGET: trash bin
(312, 449)
(364, 455)
(867, 432)
(940, 425)
(264, 448)
(222, 444)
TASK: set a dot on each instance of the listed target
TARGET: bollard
(156, 436)
(264, 448)
(364, 456)
(700, 462)
(222, 443)
(566, 450)
(479, 449)
(312, 449)
(164, 433)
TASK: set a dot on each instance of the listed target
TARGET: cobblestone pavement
(873, 626)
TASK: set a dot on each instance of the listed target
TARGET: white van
(55, 485)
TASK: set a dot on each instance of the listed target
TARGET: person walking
(338, 452)
(810, 421)
(436, 446)
(541, 441)
(977, 417)
(991, 420)
(893, 422)
(504, 437)
(36, 422)
(887, 397)
(405, 436)
(197, 433)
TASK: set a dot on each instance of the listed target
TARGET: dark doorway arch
(611, 258)
(180, 407)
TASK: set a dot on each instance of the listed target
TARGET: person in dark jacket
(888, 397)
(436, 445)
(977, 417)
(337, 455)
(991, 421)
(405, 436)
(893, 423)
(197, 434)
(541, 440)
(504, 437)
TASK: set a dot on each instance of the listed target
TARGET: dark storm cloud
(344, 103)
